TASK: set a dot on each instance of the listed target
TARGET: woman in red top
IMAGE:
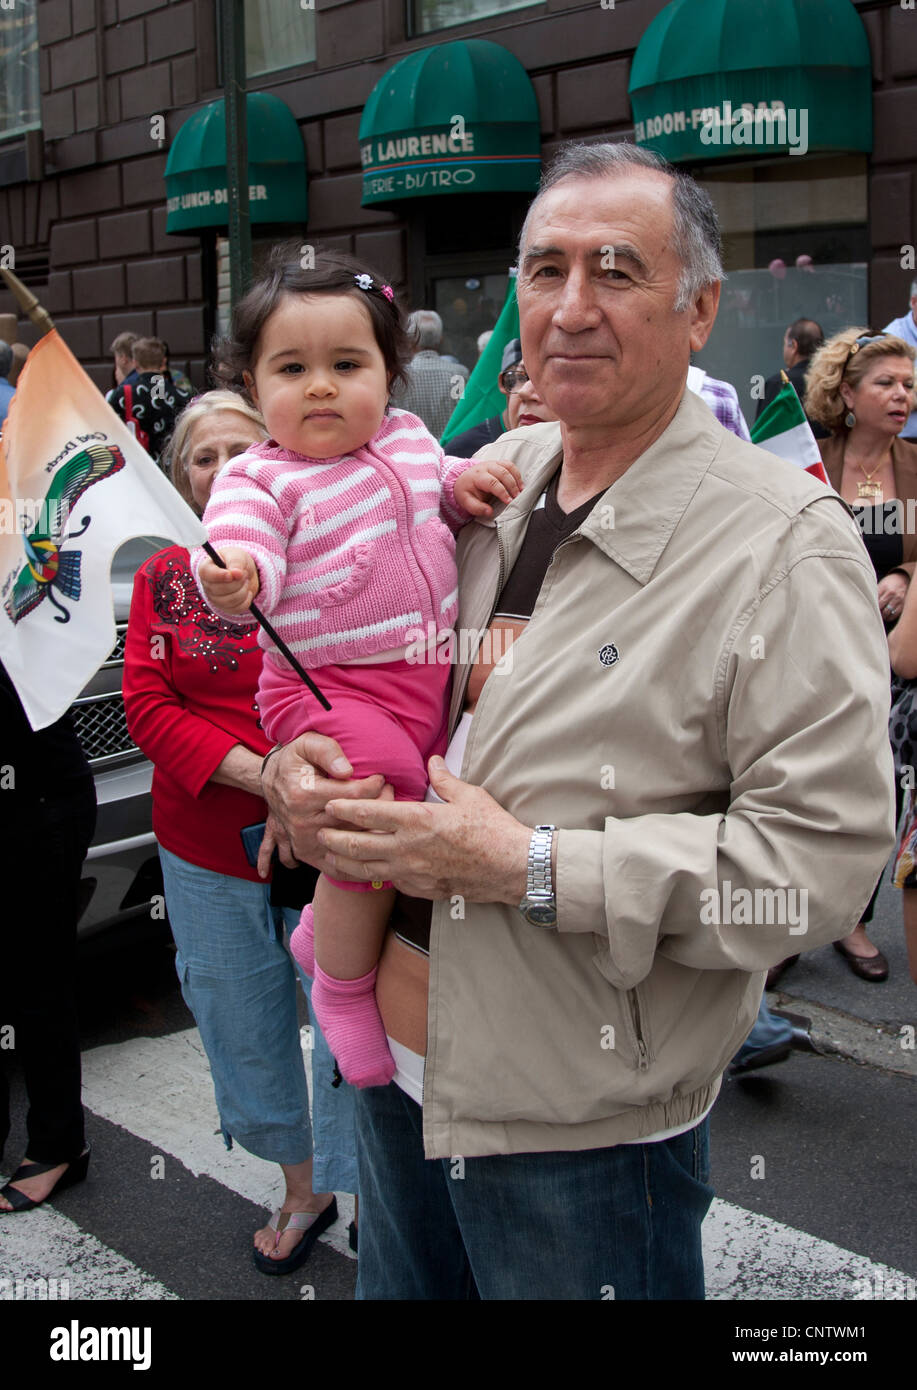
(189, 693)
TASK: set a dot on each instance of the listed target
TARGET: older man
(656, 790)
(434, 382)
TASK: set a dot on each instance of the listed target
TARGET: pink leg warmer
(347, 1015)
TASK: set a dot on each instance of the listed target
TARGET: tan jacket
(737, 743)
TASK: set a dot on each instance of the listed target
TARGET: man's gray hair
(698, 243)
(426, 328)
(6, 358)
(913, 288)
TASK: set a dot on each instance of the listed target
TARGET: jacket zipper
(643, 1056)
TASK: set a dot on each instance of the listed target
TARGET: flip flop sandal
(311, 1223)
(75, 1173)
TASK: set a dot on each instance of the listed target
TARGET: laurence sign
(451, 159)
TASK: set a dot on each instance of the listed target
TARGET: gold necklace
(869, 488)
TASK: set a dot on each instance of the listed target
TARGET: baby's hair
(333, 272)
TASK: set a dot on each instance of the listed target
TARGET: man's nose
(577, 308)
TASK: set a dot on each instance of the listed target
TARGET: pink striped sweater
(352, 552)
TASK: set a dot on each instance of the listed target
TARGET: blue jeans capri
(239, 981)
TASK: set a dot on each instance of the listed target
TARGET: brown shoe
(773, 975)
(873, 968)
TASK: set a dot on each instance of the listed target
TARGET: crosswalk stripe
(750, 1256)
(160, 1089)
(83, 1268)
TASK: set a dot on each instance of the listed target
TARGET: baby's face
(319, 379)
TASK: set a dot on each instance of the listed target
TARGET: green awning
(460, 117)
(196, 167)
(719, 79)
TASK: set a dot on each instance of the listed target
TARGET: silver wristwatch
(539, 906)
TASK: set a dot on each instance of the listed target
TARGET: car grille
(100, 721)
(101, 727)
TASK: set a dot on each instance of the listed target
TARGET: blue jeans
(239, 982)
(768, 1030)
(622, 1222)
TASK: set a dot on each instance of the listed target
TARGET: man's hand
(490, 478)
(468, 847)
(230, 590)
(298, 783)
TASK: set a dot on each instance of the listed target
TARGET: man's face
(789, 350)
(124, 365)
(914, 307)
(600, 335)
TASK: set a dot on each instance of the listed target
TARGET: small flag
(783, 429)
(74, 486)
(482, 398)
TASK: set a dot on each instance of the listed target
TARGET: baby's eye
(292, 368)
(345, 366)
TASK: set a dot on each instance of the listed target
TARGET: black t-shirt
(548, 527)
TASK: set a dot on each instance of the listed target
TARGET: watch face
(541, 914)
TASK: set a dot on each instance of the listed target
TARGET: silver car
(121, 880)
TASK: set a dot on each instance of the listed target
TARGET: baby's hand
(230, 590)
(490, 478)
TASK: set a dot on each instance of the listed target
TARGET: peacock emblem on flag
(48, 569)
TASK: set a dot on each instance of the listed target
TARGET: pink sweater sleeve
(451, 511)
(243, 512)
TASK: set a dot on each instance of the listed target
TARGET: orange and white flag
(74, 486)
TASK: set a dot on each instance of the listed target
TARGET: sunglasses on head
(863, 341)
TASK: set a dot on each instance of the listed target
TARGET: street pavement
(812, 1159)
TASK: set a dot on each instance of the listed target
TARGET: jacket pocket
(346, 575)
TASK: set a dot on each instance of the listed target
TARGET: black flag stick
(278, 641)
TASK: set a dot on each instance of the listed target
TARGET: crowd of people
(625, 558)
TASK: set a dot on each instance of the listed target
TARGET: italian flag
(783, 429)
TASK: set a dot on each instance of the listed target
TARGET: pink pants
(389, 718)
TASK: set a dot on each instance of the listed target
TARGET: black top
(547, 527)
(879, 529)
(467, 444)
(37, 760)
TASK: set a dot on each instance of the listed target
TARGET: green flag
(482, 397)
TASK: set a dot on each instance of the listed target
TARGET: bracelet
(276, 749)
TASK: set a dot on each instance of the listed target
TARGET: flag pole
(27, 302)
(278, 641)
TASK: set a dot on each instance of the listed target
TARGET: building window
(19, 84)
(796, 245)
(426, 15)
(277, 36)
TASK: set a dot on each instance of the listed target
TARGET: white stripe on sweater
(421, 517)
(291, 619)
(369, 533)
(450, 598)
(242, 523)
(424, 484)
(334, 523)
(335, 489)
(356, 633)
(324, 581)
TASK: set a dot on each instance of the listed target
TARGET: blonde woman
(189, 692)
(860, 387)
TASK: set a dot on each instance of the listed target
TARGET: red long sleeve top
(189, 694)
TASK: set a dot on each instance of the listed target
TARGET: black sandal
(75, 1173)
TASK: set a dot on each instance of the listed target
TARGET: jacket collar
(648, 501)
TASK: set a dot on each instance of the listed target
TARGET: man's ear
(703, 313)
(251, 388)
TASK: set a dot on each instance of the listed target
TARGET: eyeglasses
(514, 377)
